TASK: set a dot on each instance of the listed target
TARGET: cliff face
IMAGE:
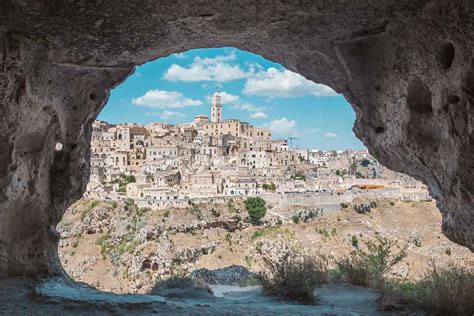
(407, 67)
(122, 248)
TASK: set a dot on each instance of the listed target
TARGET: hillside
(119, 247)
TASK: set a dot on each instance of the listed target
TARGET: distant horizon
(176, 88)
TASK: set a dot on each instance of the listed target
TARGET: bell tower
(216, 108)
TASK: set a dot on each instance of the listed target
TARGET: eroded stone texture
(407, 67)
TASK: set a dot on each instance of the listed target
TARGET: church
(219, 127)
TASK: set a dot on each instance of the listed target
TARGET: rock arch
(58, 63)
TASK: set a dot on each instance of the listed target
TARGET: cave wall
(407, 67)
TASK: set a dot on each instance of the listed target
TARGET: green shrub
(272, 232)
(130, 204)
(127, 246)
(298, 176)
(65, 225)
(196, 211)
(269, 187)
(295, 219)
(344, 205)
(104, 241)
(123, 180)
(75, 244)
(365, 162)
(362, 208)
(294, 279)
(228, 238)
(215, 212)
(256, 209)
(355, 241)
(142, 210)
(367, 267)
(417, 242)
(323, 232)
(248, 260)
(88, 209)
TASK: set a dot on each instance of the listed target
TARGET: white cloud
(165, 115)
(331, 135)
(160, 99)
(245, 106)
(180, 55)
(218, 69)
(236, 103)
(258, 115)
(226, 98)
(286, 127)
(308, 131)
(282, 125)
(213, 85)
(283, 83)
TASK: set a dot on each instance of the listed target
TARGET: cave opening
(187, 139)
(55, 80)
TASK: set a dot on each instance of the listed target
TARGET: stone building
(219, 157)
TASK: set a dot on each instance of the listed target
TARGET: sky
(178, 87)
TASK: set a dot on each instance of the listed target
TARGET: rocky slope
(119, 247)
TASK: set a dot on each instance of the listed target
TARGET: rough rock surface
(233, 275)
(407, 67)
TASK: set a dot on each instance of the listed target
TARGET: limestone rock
(407, 67)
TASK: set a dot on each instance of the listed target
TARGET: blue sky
(176, 88)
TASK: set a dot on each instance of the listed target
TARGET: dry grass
(443, 291)
(353, 270)
(294, 279)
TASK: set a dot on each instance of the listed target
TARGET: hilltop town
(162, 165)
(166, 200)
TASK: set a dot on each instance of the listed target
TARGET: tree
(255, 206)
(269, 187)
(123, 180)
(353, 168)
(272, 187)
(365, 162)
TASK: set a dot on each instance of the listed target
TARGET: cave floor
(58, 296)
